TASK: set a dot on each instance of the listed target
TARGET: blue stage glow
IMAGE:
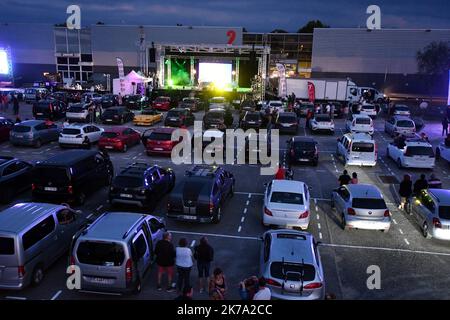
(4, 62)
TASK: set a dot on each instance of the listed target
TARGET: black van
(49, 109)
(71, 176)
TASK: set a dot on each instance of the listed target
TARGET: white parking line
(192, 243)
(320, 235)
(214, 235)
(15, 298)
(239, 229)
(400, 230)
(395, 221)
(249, 194)
(56, 295)
(99, 208)
(318, 217)
(245, 211)
(243, 219)
(407, 242)
(318, 226)
(247, 203)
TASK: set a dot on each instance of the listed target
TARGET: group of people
(345, 178)
(181, 258)
(6, 99)
(407, 189)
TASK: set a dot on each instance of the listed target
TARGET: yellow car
(147, 118)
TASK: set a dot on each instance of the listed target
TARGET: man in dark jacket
(444, 126)
(405, 191)
(344, 178)
(204, 254)
(420, 184)
(165, 259)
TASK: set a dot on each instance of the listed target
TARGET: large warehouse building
(385, 59)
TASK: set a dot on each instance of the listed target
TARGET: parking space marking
(247, 203)
(56, 295)
(243, 219)
(192, 243)
(239, 229)
(395, 221)
(245, 210)
(249, 194)
(320, 235)
(407, 242)
(215, 235)
(100, 207)
(400, 230)
(318, 226)
(15, 298)
(318, 217)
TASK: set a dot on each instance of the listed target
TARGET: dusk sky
(254, 15)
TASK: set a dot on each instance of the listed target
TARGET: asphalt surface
(412, 267)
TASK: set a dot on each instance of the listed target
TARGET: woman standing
(184, 264)
(217, 285)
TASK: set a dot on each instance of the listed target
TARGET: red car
(159, 141)
(119, 138)
(5, 127)
(161, 103)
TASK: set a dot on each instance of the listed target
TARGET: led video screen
(219, 73)
(4, 62)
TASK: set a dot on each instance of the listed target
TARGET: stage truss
(228, 51)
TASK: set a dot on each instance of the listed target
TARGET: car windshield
(55, 175)
(161, 100)
(419, 151)
(128, 182)
(217, 100)
(362, 121)
(323, 118)
(401, 108)
(70, 131)
(188, 100)
(306, 146)
(6, 246)
(368, 203)
(108, 254)
(405, 124)
(21, 129)
(107, 97)
(174, 113)
(109, 135)
(75, 109)
(276, 104)
(214, 115)
(111, 112)
(287, 119)
(286, 197)
(292, 271)
(252, 117)
(149, 112)
(160, 136)
(363, 147)
(444, 212)
(368, 107)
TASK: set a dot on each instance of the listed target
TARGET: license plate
(109, 147)
(19, 136)
(100, 280)
(189, 217)
(108, 120)
(158, 149)
(50, 189)
(173, 119)
(124, 195)
(303, 160)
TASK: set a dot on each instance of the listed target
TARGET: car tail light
(168, 206)
(351, 211)
(21, 271)
(72, 261)
(387, 213)
(33, 187)
(129, 270)
(70, 189)
(314, 285)
(304, 215)
(267, 212)
(211, 207)
(437, 223)
(272, 282)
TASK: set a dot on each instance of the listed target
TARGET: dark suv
(15, 177)
(141, 184)
(201, 195)
(251, 119)
(214, 119)
(117, 115)
(179, 117)
(50, 109)
(71, 176)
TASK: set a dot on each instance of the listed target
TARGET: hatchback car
(141, 184)
(119, 138)
(214, 119)
(33, 133)
(321, 122)
(368, 109)
(402, 110)
(361, 206)
(161, 103)
(79, 135)
(136, 102)
(5, 127)
(287, 122)
(78, 112)
(15, 177)
(251, 120)
(286, 204)
(291, 264)
(179, 117)
(400, 125)
(202, 194)
(192, 104)
(359, 123)
(431, 211)
(50, 109)
(109, 100)
(303, 150)
(159, 141)
(117, 115)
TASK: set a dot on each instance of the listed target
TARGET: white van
(357, 149)
(359, 123)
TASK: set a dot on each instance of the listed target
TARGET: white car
(276, 105)
(414, 153)
(286, 204)
(357, 149)
(443, 151)
(368, 109)
(402, 110)
(359, 123)
(79, 135)
(78, 112)
(218, 103)
(400, 125)
(322, 122)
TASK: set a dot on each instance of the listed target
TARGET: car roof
(361, 190)
(360, 136)
(403, 118)
(116, 129)
(30, 123)
(115, 108)
(178, 109)
(288, 186)
(417, 143)
(113, 226)
(287, 245)
(18, 217)
(365, 116)
(164, 130)
(77, 125)
(287, 114)
(303, 139)
(203, 170)
(442, 195)
(213, 134)
(4, 160)
(67, 158)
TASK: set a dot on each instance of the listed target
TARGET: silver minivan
(32, 237)
(115, 253)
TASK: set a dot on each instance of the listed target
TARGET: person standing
(344, 178)
(184, 264)
(405, 191)
(420, 184)
(15, 105)
(165, 260)
(119, 99)
(263, 292)
(444, 126)
(204, 254)
(354, 178)
(217, 285)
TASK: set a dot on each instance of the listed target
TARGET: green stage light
(170, 82)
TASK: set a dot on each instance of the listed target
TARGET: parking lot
(412, 267)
